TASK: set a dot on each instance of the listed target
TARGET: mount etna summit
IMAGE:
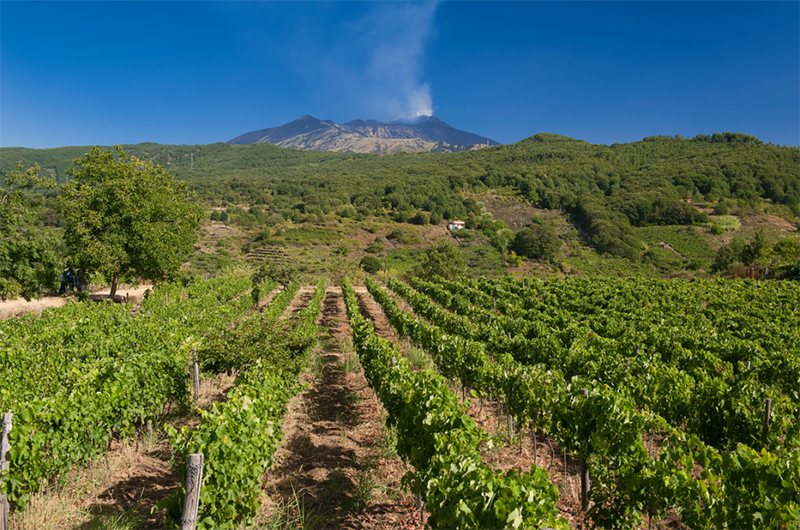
(424, 133)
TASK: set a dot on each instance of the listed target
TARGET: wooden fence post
(195, 376)
(584, 468)
(4, 447)
(191, 502)
(767, 413)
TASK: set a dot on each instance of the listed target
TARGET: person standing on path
(71, 279)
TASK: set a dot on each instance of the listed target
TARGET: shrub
(371, 264)
(376, 246)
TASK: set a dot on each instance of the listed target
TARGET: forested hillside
(607, 190)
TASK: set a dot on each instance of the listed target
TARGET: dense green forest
(607, 193)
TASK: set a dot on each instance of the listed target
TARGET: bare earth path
(337, 467)
(19, 306)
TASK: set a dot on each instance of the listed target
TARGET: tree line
(606, 191)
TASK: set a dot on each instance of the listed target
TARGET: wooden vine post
(584, 468)
(195, 376)
(4, 447)
(191, 502)
(767, 414)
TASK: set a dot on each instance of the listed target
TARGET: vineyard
(602, 366)
(667, 404)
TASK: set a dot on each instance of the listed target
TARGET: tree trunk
(114, 285)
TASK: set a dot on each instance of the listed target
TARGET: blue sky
(85, 73)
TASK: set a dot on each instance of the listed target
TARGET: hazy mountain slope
(426, 133)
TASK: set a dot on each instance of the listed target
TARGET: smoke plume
(398, 34)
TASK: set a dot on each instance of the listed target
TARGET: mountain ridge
(424, 133)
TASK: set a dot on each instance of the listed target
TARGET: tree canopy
(538, 242)
(126, 218)
(443, 259)
(607, 192)
(28, 261)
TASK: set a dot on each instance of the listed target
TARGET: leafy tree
(443, 259)
(788, 249)
(421, 218)
(721, 208)
(28, 260)
(280, 272)
(501, 239)
(758, 251)
(264, 234)
(126, 218)
(539, 242)
(729, 255)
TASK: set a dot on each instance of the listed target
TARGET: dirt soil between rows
(336, 467)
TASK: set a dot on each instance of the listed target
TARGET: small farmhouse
(456, 225)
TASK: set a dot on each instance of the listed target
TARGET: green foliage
(126, 218)
(402, 260)
(239, 437)
(716, 229)
(548, 339)
(442, 442)
(538, 242)
(788, 249)
(343, 250)
(28, 255)
(443, 259)
(377, 246)
(371, 264)
(406, 236)
(607, 191)
(122, 368)
(421, 218)
(282, 272)
(502, 238)
(759, 251)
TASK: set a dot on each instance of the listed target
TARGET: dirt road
(20, 306)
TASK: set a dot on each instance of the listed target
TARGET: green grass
(308, 235)
(582, 262)
(293, 513)
(402, 260)
(350, 363)
(484, 259)
(120, 521)
(727, 222)
(419, 359)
